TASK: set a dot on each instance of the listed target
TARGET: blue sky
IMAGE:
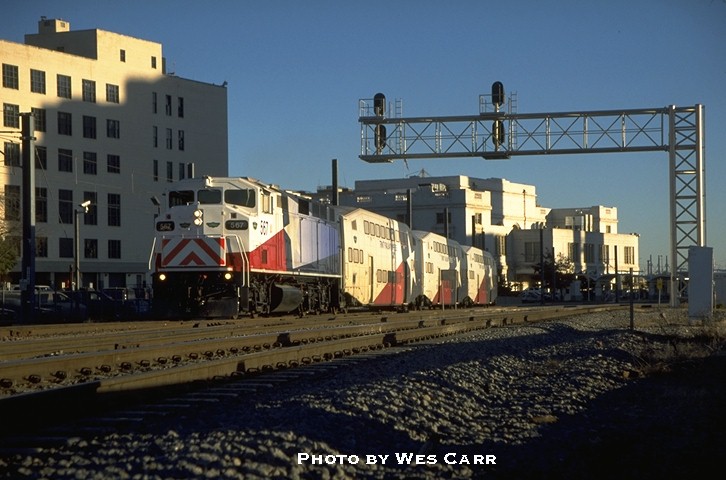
(296, 70)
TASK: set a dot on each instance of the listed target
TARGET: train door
(370, 281)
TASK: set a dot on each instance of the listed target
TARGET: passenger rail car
(229, 246)
(439, 266)
(378, 269)
(478, 274)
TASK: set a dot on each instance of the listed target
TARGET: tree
(9, 232)
(561, 271)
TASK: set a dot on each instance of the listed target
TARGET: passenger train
(226, 247)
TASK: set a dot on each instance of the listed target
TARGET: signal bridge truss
(495, 135)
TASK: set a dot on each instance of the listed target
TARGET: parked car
(131, 305)
(99, 305)
(50, 306)
(530, 296)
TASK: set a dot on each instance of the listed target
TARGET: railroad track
(72, 371)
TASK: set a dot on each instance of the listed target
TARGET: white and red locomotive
(230, 246)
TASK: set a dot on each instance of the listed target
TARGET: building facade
(112, 127)
(505, 219)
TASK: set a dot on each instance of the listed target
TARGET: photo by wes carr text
(400, 458)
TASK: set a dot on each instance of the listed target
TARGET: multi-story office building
(505, 219)
(112, 127)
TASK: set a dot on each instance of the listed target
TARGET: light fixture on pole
(82, 208)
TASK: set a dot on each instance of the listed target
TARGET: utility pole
(27, 282)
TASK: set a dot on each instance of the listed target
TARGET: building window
(153, 62)
(573, 251)
(12, 202)
(629, 255)
(90, 166)
(156, 170)
(37, 81)
(112, 93)
(114, 210)
(91, 215)
(39, 116)
(12, 154)
(11, 115)
(169, 172)
(604, 254)
(501, 245)
(41, 204)
(113, 163)
(168, 105)
(440, 217)
(113, 128)
(180, 109)
(65, 160)
(65, 247)
(182, 170)
(531, 251)
(181, 140)
(89, 91)
(122, 55)
(589, 253)
(155, 136)
(169, 136)
(41, 247)
(64, 86)
(65, 206)
(65, 123)
(154, 101)
(41, 158)
(10, 76)
(90, 248)
(89, 127)
(114, 249)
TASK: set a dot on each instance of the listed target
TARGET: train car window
(241, 197)
(209, 197)
(181, 197)
(266, 202)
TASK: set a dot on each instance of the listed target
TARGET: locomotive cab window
(240, 197)
(209, 197)
(181, 197)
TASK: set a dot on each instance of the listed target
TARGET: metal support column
(687, 196)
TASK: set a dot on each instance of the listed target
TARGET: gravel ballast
(583, 397)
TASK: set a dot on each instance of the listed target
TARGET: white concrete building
(505, 218)
(111, 126)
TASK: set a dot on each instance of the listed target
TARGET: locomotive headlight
(227, 276)
(198, 214)
(162, 277)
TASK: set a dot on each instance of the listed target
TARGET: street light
(82, 208)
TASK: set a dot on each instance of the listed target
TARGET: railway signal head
(380, 138)
(497, 94)
(379, 105)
